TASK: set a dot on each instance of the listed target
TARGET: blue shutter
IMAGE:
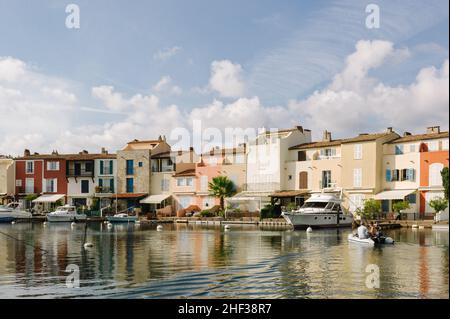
(388, 175)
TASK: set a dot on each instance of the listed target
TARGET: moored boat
(12, 212)
(323, 210)
(122, 218)
(66, 213)
(369, 241)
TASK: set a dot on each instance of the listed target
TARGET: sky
(147, 68)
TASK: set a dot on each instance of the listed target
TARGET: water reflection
(200, 261)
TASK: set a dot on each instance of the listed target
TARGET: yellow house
(362, 166)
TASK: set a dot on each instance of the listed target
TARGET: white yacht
(320, 210)
(66, 213)
(13, 211)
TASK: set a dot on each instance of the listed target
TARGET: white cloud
(38, 119)
(11, 69)
(164, 85)
(226, 78)
(166, 53)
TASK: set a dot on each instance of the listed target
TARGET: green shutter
(101, 167)
(110, 167)
(111, 185)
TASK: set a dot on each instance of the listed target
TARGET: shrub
(207, 213)
(291, 206)
(399, 206)
(438, 204)
(370, 209)
(267, 211)
(444, 174)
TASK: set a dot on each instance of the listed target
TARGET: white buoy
(13, 223)
(159, 228)
(45, 224)
(227, 227)
(309, 230)
(73, 224)
(88, 245)
(415, 226)
(109, 225)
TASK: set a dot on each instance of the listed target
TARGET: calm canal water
(195, 261)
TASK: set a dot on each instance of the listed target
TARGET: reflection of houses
(7, 172)
(43, 175)
(266, 162)
(134, 171)
(90, 176)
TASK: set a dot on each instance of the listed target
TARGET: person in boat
(372, 230)
(363, 232)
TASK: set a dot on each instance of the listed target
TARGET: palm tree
(221, 187)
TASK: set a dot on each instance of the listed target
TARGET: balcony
(79, 173)
(103, 191)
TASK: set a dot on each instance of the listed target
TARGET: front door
(303, 183)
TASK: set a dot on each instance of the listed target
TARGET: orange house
(434, 157)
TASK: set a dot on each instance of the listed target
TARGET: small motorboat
(122, 218)
(382, 240)
(66, 213)
(11, 212)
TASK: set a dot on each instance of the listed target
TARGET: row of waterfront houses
(278, 166)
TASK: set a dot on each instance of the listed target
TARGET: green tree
(399, 206)
(444, 174)
(371, 209)
(221, 187)
(438, 204)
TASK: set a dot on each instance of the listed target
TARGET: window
(357, 151)
(165, 185)
(290, 177)
(204, 183)
(326, 179)
(181, 182)
(328, 152)
(140, 164)
(357, 177)
(412, 148)
(51, 185)
(29, 185)
(84, 186)
(395, 175)
(18, 183)
(189, 181)
(433, 146)
(29, 167)
(445, 145)
(398, 149)
(52, 166)
(411, 198)
(388, 175)
(88, 167)
(130, 185)
(435, 178)
(356, 201)
(301, 156)
(106, 167)
(408, 174)
(130, 168)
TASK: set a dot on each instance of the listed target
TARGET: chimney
(26, 153)
(326, 136)
(55, 152)
(407, 134)
(300, 128)
(160, 138)
(390, 130)
(433, 130)
(104, 151)
(83, 152)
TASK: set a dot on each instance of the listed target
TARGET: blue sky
(285, 50)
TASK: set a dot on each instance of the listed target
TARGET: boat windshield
(315, 205)
(66, 209)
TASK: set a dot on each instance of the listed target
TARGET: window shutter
(100, 182)
(111, 184)
(111, 167)
(102, 164)
(55, 185)
(388, 175)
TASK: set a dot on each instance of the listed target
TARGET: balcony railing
(79, 173)
(327, 184)
(27, 190)
(104, 190)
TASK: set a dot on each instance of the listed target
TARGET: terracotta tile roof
(316, 145)
(420, 137)
(68, 157)
(366, 137)
(40, 156)
(225, 151)
(188, 172)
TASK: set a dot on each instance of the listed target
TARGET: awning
(48, 198)
(154, 199)
(289, 194)
(397, 194)
(248, 196)
(129, 195)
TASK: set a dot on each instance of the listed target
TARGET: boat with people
(370, 241)
(12, 212)
(321, 210)
(66, 213)
(122, 218)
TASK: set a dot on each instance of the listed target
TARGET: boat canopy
(48, 198)
(154, 199)
(397, 194)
